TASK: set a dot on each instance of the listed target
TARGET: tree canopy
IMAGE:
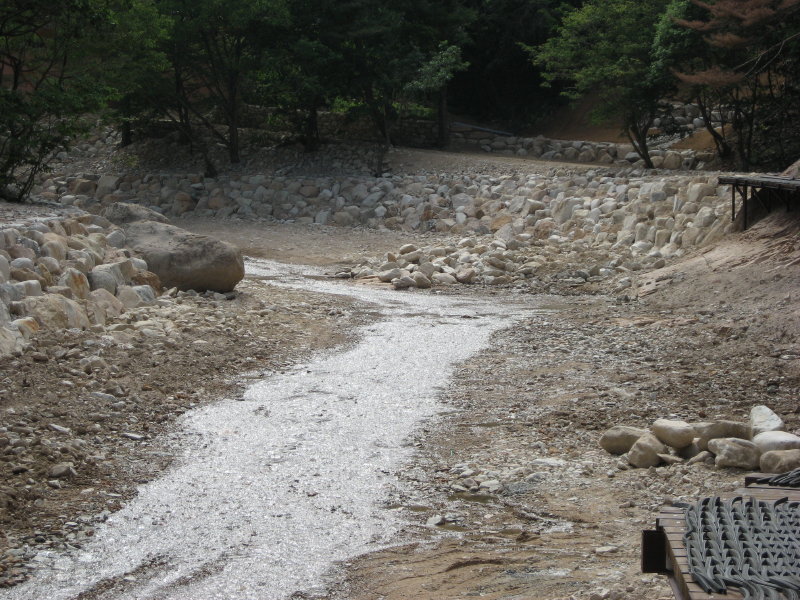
(197, 63)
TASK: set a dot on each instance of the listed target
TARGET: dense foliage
(197, 63)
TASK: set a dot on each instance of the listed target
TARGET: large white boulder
(763, 418)
(186, 260)
(620, 438)
(776, 440)
(780, 461)
(677, 434)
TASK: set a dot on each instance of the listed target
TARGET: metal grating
(789, 480)
(745, 544)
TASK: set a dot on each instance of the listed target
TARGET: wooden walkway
(663, 550)
(767, 190)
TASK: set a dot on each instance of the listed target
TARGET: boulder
(645, 451)
(443, 279)
(762, 418)
(677, 434)
(76, 282)
(107, 277)
(122, 213)
(620, 439)
(144, 277)
(466, 275)
(136, 296)
(735, 452)
(780, 461)
(54, 311)
(102, 305)
(186, 260)
(11, 340)
(719, 429)
(387, 276)
(776, 440)
(420, 280)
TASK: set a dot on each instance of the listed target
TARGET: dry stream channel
(270, 490)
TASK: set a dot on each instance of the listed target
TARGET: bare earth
(709, 337)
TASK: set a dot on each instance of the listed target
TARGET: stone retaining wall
(661, 215)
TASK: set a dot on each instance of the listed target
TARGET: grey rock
(677, 434)
(62, 470)
(762, 418)
(186, 260)
(780, 461)
(620, 439)
(719, 429)
(136, 296)
(735, 452)
(776, 440)
(644, 452)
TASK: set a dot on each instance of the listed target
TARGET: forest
(198, 64)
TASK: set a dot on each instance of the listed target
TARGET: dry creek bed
(716, 336)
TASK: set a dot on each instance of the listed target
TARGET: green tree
(43, 92)
(603, 49)
(751, 69)
(433, 77)
(676, 49)
(217, 50)
(501, 83)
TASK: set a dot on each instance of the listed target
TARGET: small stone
(435, 521)
(91, 364)
(606, 550)
(132, 436)
(62, 470)
(670, 459)
(59, 428)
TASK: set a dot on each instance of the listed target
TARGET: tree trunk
(233, 144)
(443, 122)
(724, 149)
(311, 141)
(125, 126)
(233, 125)
(637, 134)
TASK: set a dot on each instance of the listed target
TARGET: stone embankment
(606, 153)
(760, 443)
(648, 218)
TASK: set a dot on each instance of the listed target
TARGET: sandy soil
(710, 337)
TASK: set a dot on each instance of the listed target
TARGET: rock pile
(760, 444)
(76, 272)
